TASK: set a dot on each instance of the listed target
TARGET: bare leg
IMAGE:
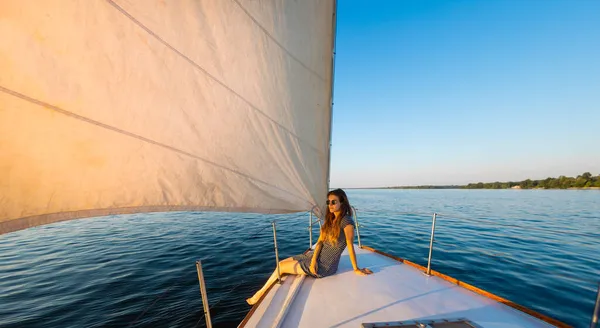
(287, 266)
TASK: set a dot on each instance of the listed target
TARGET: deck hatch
(438, 323)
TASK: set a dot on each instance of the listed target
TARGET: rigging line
(259, 230)
(193, 63)
(426, 237)
(493, 234)
(156, 299)
(254, 234)
(221, 299)
(459, 216)
(495, 254)
(377, 225)
(481, 220)
(277, 42)
(253, 271)
(429, 215)
(504, 257)
(521, 237)
(226, 293)
(144, 139)
(488, 221)
(292, 218)
(268, 226)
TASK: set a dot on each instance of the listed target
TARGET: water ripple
(537, 248)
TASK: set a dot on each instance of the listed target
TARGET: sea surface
(539, 248)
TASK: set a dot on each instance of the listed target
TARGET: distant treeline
(586, 180)
(428, 187)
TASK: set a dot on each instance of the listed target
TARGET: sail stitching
(133, 135)
(277, 42)
(193, 63)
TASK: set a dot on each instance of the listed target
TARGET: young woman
(336, 233)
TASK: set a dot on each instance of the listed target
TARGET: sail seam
(277, 42)
(133, 135)
(193, 63)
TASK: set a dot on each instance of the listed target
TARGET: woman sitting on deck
(336, 233)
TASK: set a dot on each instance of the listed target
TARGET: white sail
(116, 106)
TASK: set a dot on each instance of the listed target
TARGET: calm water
(537, 248)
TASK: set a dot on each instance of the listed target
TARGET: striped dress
(329, 258)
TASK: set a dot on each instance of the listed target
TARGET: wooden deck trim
(476, 290)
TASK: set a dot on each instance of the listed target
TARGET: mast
(333, 37)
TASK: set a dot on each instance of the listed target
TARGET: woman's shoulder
(346, 220)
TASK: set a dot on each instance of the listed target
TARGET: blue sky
(452, 92)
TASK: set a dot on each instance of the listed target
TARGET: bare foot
(251, 300)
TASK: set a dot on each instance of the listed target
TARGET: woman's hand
(314, 267)
(363, 272)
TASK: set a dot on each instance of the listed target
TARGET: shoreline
(585, 181)
(461, 188)
(442, 188)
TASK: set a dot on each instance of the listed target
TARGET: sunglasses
(332, 202)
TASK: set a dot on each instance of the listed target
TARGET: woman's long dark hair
(331, 228)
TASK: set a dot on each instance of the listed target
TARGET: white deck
(395, 292)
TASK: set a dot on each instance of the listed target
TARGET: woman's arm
(349, 232)
(313, 263)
